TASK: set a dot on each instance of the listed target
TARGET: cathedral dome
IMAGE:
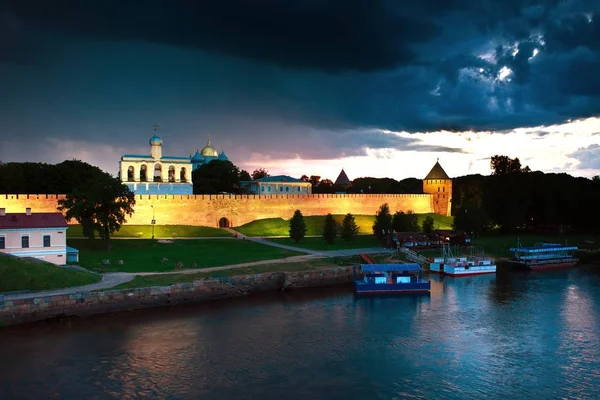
(155, 141)
(209, 151)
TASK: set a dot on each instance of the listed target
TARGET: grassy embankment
(170, 279)
(146, 255)
(23, 274)
(165, 231)
(280, 227)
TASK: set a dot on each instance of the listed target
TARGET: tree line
(515, 199)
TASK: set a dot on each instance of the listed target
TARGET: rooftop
(34, 220)
(342, 179)
(389, 267)
(280, 178)
(437, 172)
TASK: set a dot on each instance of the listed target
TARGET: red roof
(35, 220)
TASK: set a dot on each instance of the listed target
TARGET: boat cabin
(391, 278)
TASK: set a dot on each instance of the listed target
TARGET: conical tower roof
(437, 172)
(342, 179)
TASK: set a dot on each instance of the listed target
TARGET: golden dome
(209, 151)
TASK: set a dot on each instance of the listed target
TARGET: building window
(262, 188)
(2, 242)
(298, 188)
(46, 240)
(269, 188)
(25, 242)
(281, 188)
(287, 188)
(436, 202)
(444, 189)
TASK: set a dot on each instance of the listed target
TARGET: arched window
(143, 173)
(182, 175)
(171, 174)
(157, 173)
(131, 174)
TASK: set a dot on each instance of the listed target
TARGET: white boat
(450, 265)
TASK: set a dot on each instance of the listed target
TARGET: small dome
(209, 151)
(155, 141)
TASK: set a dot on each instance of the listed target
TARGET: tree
(383, 222)
(504, 165)
(349, 228)
(324, 186)
(596, 179)
(427, 226)
(305, 178)
(314, 181)
(260, 173)
(215, 177)
(329, 229)
(100, 207)
(405, 222)
(245, 176)
(297, 226)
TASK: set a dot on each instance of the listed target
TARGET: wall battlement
(235, 210)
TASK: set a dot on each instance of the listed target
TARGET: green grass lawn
(318, 243)
(145, 231)
(21, 274)
(314, 224)
(146, 255)
(499, 245)
(169, 279)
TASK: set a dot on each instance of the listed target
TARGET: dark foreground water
(511, 336)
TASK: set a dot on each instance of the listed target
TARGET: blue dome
(155, 141)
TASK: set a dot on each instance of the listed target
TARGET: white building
(37, 235)
(280, 184)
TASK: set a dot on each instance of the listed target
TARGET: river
(517, 335)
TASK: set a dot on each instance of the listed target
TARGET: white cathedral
(158, 174)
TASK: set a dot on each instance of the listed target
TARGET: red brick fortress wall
(441, 190)
(207, 210)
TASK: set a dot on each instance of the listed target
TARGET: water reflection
(491, 336)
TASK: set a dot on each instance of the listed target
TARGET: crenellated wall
(208, 210)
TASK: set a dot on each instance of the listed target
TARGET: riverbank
(13, 312)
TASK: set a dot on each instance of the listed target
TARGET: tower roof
(209, 150)
(437, 172)
(342, 179)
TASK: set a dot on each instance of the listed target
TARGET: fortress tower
(439, 184)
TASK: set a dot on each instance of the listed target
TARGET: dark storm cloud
(327, 35)
(349, 66)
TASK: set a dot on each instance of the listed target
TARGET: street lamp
(153, 221)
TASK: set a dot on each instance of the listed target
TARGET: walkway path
(108, 280)
(290, 260)
(113, 279)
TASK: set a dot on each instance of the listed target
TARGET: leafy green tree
(383, 222)
(245, 176)
(503, 165)
(329, 229)
(349, 228)
(427, 226)
(99, 207)
(297, 226)
(405, 222)
(260, 173)
(215, 177)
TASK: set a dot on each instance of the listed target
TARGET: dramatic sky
(378, 87)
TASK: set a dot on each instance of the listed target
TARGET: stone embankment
(87, 303)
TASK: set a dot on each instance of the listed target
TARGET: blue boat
(391, 278)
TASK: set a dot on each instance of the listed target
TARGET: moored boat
(544, 256)
(450, 265)
(391, 278)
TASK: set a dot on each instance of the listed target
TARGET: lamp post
(153, 221)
